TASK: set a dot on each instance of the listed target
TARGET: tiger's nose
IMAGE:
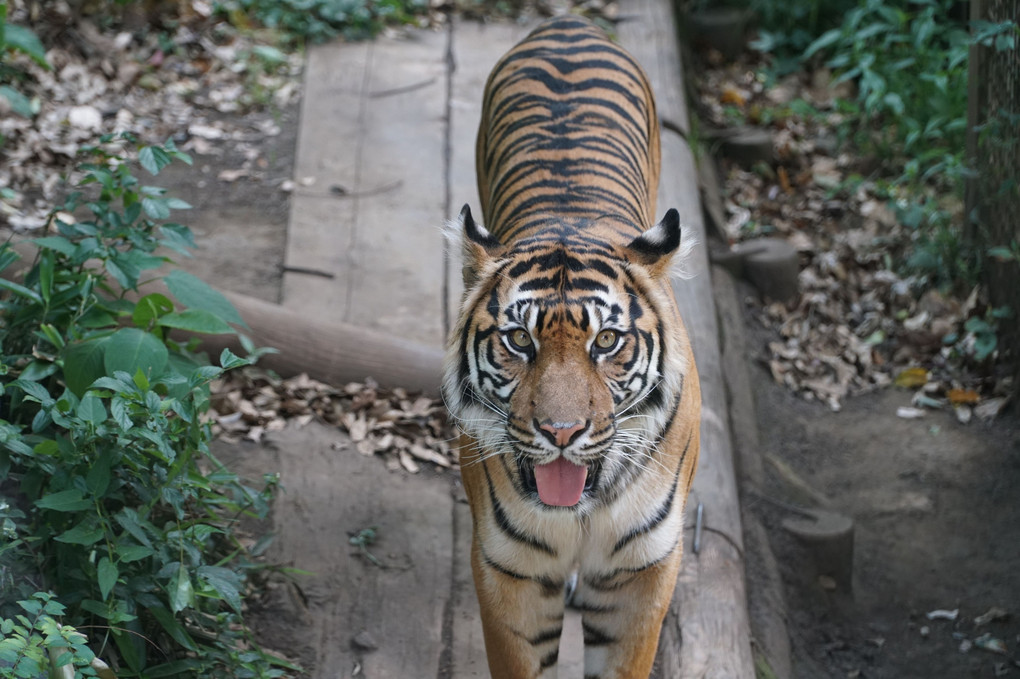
(561, 433)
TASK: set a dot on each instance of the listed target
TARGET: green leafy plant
(109, 495)
(318, 20)
(787, 28)
(909, 61)
(33, 640)
(362, 540)
(1006, 253)
(980, 338)
(17, 39)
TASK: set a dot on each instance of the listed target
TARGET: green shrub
(33, 640)
(909, 61)
(17, 39)
(318, 20)
(785, 29)
(109, 497)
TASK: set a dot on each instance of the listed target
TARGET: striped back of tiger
(568, 130)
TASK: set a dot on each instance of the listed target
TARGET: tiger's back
(569, 371)
(568, 128)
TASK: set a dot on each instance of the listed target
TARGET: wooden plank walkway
(385, 155)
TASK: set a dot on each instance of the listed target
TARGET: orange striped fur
(570, 362)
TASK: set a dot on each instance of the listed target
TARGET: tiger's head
(566, 359)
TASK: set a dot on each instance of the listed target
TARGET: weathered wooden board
(365, 240)
(331, 492)
(707, 632)
(647, 28)
(713, 634)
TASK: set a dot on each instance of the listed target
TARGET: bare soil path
(937, 528)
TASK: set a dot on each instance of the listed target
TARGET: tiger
(569, 371)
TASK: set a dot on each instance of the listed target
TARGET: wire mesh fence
(993, 196)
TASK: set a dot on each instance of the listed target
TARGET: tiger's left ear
(659, 246)
(477, 246)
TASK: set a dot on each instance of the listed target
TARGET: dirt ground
(935, 505)
(240, 226)
(937, 527)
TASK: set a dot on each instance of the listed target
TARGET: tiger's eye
(520, 338)
(606, 339)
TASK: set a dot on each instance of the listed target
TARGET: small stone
(963, 414)
(925, 631)
(943, 614)
(85, 117)
(827, 583)
(991, 615)
(989, 643)
(364, 641)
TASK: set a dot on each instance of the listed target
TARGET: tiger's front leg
(519, 569)
(522, 619)
(621, 616)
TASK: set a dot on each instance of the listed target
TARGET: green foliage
(980, 338)
(109, 496)
(909, 61)
(362, 540)
(17, 39)
(33, 641)
(787, 28)
(319, 20)
(1006, 253)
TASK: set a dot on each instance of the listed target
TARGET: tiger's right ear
(477, 246)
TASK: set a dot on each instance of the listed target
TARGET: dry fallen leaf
(963, 396)
(403, 428)
(732, 95)
(911, 377)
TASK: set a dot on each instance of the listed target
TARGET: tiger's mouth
(526, 469)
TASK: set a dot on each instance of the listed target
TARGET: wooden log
(332, 352)
(707, 630)
(766, 602)
(335, 353)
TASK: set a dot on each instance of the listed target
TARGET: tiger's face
(561, 367)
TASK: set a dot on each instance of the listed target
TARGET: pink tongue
(560, 483)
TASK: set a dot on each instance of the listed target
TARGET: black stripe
(510, 530)
(593, 636)
(608, 582)
(593, 608)
(660, 515)
(672, 417)
(499, 568)
(586, 284)
(552, 634)
(549, 659)
(549, 586)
